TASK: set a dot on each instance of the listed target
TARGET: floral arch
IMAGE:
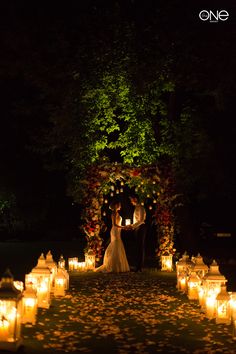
(154, 187)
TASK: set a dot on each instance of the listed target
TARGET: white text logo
(211, 16)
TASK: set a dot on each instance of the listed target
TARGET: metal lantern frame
(212, 282)
(223, 314)
(10, 314)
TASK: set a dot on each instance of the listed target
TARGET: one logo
(211, 16)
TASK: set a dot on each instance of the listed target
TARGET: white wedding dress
(115, 259)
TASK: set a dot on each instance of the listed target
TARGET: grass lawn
(119, 313)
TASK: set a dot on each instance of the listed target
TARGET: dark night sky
(38, 38)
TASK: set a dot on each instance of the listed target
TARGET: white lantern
(90, 260)
(166, 263)
(193, 285)
(127, 222)
(212, 282)
(182, 282)
(81, 266)
(199, 266)
(60, 283)
(10, 314)
(62, 262)
(73, 263)
(40, 276)
(29, 302)
(223, 306)
(184, 264)
(52, 265)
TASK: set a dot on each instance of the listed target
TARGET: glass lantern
(194, 282)
(223, 314)
(52, 265)
(30, 305)
(40, 277)
(184, 265)
(166, 263)
(90, 260)
(62, 262)
(10, 314)
(182, 282)
(73, 263)
(81, 266)
(212, 282)
(60, 283)
(199, 266)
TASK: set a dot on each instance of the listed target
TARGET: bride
(115, 259)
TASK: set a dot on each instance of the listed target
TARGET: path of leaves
(126, 313)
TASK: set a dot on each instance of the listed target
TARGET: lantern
(73, 263)
(52, 266)
(182, 282)
(62, 262)
(223, 306)
(10, 314)
(199, 266)
(90, 260)
(193, 285)
(127, 222)
(212, 282)
(60, 283)
(184, 265)
(166, 263)
(29, 302)
(40, 276)
(233, 312)
(81, 266)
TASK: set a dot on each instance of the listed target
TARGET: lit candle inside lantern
(127, 221)
(90, 259)
(73, 263)
(166, 263)
(210, 305)
(10, 314)
(60, 283)
(29, 305)
(183, 282)
(62, 262)
(40, 277)
(223, 314)
(81, 266)
(193, 285)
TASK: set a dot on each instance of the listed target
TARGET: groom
(140, 229)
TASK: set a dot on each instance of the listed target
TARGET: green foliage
(116, 117)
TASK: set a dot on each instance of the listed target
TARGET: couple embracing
(115, 259)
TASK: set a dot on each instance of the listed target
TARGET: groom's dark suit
(140, 230)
